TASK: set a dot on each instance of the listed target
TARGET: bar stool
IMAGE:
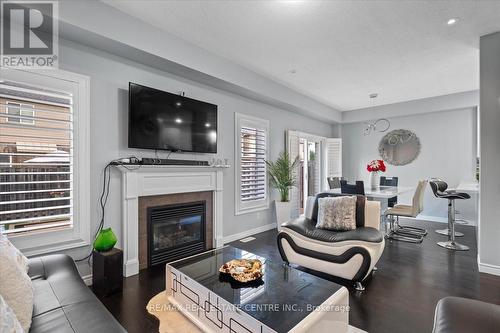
(460, 220)
(442, 187)
(439, 188)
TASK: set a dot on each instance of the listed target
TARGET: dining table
(382, 194)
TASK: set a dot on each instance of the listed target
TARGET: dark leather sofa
(462, 315)
(62, 301)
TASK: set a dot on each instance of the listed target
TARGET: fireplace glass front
(175, 231)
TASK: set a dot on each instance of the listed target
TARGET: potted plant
(374, 167)
(283, 179)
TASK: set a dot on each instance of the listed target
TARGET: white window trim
(241, 120)
(51, 241)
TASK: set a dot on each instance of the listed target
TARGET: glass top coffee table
(284, 300)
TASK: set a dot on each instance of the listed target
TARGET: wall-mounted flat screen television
(161, 120)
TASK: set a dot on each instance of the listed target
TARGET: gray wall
(448, 140)
(109, 77)
(489, 227)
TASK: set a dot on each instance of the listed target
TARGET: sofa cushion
(307, 228)
(337, 213)
(360, 207)
(462, 315)
(63, 303)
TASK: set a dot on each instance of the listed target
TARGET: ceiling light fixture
(452, 21)
(379, 125)
(178, 120)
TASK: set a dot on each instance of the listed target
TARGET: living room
(88, 162)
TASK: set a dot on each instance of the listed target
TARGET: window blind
(253, 166)
(36, 158)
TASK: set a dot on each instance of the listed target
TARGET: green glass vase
(105, 240)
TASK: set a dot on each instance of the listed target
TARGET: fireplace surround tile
(146, 202)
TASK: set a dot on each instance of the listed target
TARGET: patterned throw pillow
(7, 248)
(8, 319)
(16, 287)
(337, 213)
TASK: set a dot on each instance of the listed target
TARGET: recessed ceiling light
(452, 21)
(207, 124)
(178, 120)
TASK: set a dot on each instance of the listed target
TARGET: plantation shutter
(293, 146)
(36, 158)
(334, 157)
(251, 136)
(253, 165)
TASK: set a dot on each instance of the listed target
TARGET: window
(251, 173)
(20, 113)
(42, 165)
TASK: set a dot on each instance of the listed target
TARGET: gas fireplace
(175, 231)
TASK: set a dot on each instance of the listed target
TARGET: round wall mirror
(399, 147)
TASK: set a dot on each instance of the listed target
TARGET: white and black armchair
(350, 255)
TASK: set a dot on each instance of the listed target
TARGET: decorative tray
(243, 270)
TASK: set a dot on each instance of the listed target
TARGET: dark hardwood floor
(399, 297)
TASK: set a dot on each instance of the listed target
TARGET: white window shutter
(36, 159)
(253, 166)
(334, 157)
(292, 147)
(251, 152)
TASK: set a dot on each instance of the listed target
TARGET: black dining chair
(334, 182)
(358, 188)
(390, 181)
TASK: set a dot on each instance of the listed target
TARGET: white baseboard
(87, 279)
(232, 238)
(489, 269)
(432, 218)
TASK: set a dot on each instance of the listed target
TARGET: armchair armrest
(372, 214)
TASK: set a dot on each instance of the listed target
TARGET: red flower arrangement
(375, 166)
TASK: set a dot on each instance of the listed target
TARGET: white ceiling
(341, 50)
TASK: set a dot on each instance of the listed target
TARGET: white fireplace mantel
(146, 180)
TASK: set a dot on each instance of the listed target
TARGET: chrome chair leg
(415, 230)
(451, 244)
(447, 232)
(405, 238)
(400, 235)
(359, 286)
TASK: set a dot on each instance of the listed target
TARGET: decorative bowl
(243, 270)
